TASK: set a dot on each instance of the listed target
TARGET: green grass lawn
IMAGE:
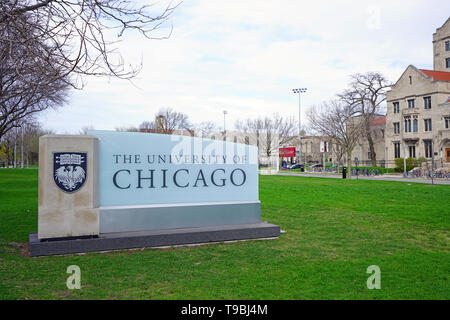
(334, 228)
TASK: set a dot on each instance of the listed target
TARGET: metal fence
(326, 170)
(365, 172)
(417, 173)
(424, 173)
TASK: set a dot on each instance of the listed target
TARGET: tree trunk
(371, 144)
(349, 163)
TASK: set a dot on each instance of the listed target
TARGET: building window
(396, 127)
(396, 107)
(427, 124)
(427, 102)
(447, 45)
(447, 62)
(447, 122)
(396, 150)
(407, 124)
(411, 103)
(415, 125)
(428, 150)
(410, 80)
(412, 151)
(369, 155)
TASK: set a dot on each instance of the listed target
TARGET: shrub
(410, 163)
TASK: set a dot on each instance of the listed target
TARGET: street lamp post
(15, 149)
(21, 150)
(404, 160)
(299, 91)
(224, 128)
(15, 146)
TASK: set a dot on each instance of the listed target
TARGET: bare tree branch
(78, 34)
(338, 120)
(367, 92)
(49, 46)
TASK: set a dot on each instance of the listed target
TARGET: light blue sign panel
(146, 169)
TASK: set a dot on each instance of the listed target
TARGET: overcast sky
(246, 56)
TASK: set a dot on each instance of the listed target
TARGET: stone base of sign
(63, 214)
(178, 215)
(155, 238)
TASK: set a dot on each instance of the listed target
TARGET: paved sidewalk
(380, 177)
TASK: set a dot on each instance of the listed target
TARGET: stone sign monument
(115, 190)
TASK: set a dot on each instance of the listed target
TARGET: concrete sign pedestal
(115, 190)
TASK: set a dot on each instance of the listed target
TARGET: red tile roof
(437, 75)
(378, 120)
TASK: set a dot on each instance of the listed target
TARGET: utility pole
(21, 150)
(299, 91)
(404, 160)
(385, 159)
(224, 128)
(432, 162)
(15, 148)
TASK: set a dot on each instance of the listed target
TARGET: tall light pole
(224, 128)
(299, 91)
(15, 149)
(21, 150)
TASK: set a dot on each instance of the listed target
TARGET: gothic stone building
(418, 108)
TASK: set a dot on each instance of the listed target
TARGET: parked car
(296, 166)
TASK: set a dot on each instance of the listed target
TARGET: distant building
(311, 152)
(418, 108)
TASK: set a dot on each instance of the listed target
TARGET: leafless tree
(127, 129)
(147, 126)
(25, 136)
(166, 122)
(48, 46)
(271, 132)
(204, 128)
(24, 90)
(367, 92)
(81, 35)
(336, 119)
(85, 129)
(285, 127)
(172, 120)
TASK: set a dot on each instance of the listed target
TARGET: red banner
(287, 152)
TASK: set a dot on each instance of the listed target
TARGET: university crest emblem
(69, 170)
